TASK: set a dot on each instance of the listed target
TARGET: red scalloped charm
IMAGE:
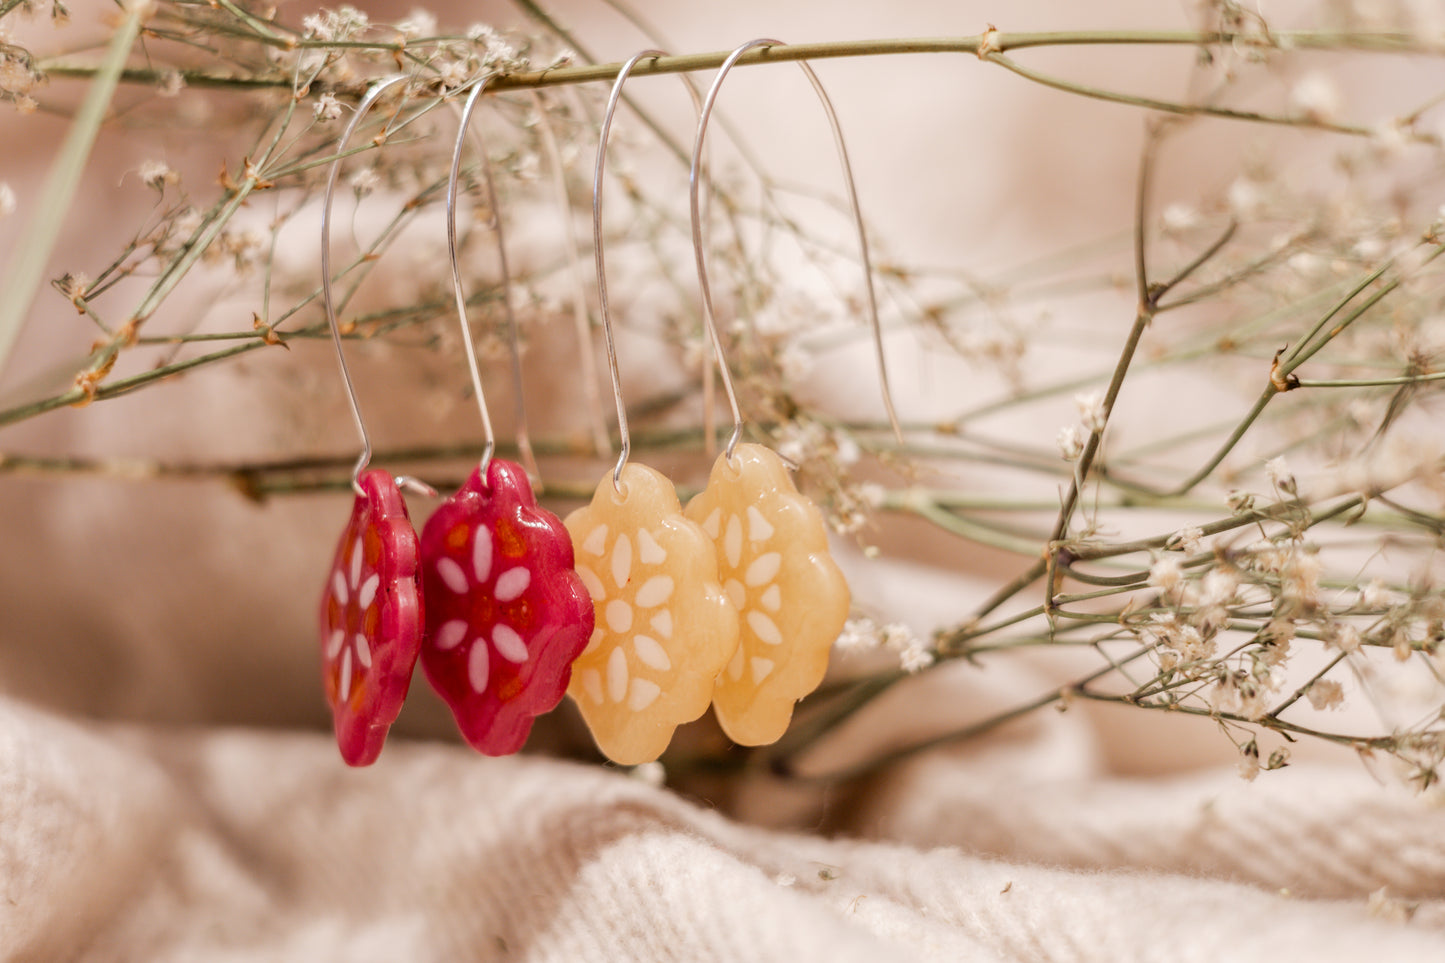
(506, 612)
(371, 619)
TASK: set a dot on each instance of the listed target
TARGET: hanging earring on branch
(506, 613)
(371, 609)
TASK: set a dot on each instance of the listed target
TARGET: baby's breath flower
(1375, 596)
(1326, 694)
(1091, 409)
(1166, 574)
(172, 83)
(327, 108)
(1300, 578)
(650, 773)
(1279, 475)
(858, 635)
(157, 174)
(1188, 539)
(1070, 440)
(419, 23)
(914, 654)
(364, 181)
(1316, 97)
(845, 449)
(872, 494)
(1179, 218)
(7, 200)
(453, 74)
(1248, 766)
(1246, 199)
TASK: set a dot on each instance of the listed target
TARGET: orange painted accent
(509, 541)
(456, 538)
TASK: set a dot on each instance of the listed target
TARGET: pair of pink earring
(486, 598)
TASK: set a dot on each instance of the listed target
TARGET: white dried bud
(1166, 574)
(1091, 409)
(1071, 439)
(327, 108)
(364, 181)
(1179, 218)
(1316, 97)
(858, 635)
(1188, 539)
(419, 23)
(1279, 475)
(1326, 694)
(157, 174)
(1375, 596)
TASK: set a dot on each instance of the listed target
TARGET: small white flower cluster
(865, 635)
(1071, 439)
(157, 175)
(17, 79)
(344, 23)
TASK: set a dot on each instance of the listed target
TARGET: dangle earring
(506, 613)
(371, 609)
(664, 628)
(771, 542)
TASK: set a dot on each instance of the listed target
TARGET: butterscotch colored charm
(773, 560)
(664, 628)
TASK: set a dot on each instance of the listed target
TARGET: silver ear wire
(698, 248)
(625, 438)
(524, 443)
(371, 97)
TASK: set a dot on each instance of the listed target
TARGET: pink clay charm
(371, 619)
(506, 613)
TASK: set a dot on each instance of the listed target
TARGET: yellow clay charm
(664, 628)
(772, 552)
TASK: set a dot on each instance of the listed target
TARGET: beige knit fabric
(140, 844)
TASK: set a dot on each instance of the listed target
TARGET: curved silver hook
(524, 442)
(624, 436)
(699, 253)
(375, 92)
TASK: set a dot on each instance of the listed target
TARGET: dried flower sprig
(1224, 569)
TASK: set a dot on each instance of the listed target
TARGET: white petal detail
(512, 583)
(509, 644)
(621, 561)
(654, 592)
(772, 599)
(733, 541)
(735, 667)
(764, 628)
(482, 554)
(619, 615)
(479, 666)
(648, 550)
(451, 573)
(592, 641)
(450, 635)
(662, 623)
(345, 674)
(593, 583)
(596, 543)
(650, 653)
(761, 668)
(759, 529)
(616, 675)
(713, 523)
(643, 694)
(764, 569)
(333, 644)
(592, 684)
(339, 587)
(363, 651)
(368, 591)
(356, 563)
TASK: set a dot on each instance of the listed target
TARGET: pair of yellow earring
(734, 602)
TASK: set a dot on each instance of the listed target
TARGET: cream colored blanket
(120, 844)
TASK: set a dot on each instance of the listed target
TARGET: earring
(506, 612)
(664, 627)
(371, 608)
(771, 542)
